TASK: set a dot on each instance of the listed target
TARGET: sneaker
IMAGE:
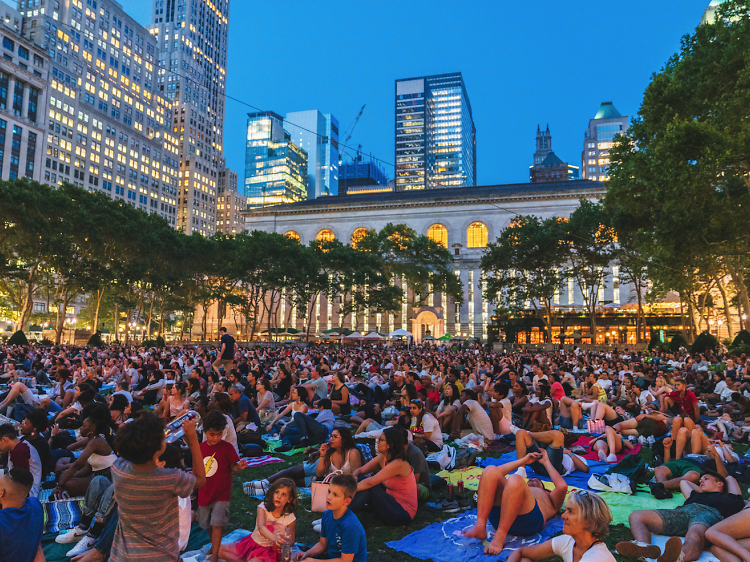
(672, 551)
(521, 471)
(612, 458)
(85, 544)
(446, 505)
(602, 456)
(635, 549)
(659, 491)
(71, 535)
(256, 487)
(463, 502)
(514, 429)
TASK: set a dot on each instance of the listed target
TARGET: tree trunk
(150, 317)
(28, 298)
(727, 314)
(61, 325)
(204, 320)
(95, 323)
(738, 281)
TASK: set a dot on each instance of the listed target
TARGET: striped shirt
(149, 526)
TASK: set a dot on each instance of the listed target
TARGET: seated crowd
(370, 417)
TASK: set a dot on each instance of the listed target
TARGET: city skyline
(497, 62)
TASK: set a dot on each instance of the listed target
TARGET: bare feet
(478, 531)
(497, 544)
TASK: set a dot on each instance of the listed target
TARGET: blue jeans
(384, 505)
(104, 543)
(310, 429)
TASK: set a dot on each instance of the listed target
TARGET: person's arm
(93, 446)
(533, 552)
(374, 464)
(280, 415)
(390, 470)
(557, 497)
(509, 467)
(40, 555)
(579, 463)
(191, 438)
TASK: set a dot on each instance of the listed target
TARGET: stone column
(25, 102)
(11, 93)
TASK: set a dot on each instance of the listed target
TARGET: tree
(524, 265)
(590, 241)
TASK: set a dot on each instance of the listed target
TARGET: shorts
(526, 525)
(565, 423)
(648, 427)
(226, 363)
(214, 515)
(555, 455)
(676, 522)
(614, 422)
(680, 468)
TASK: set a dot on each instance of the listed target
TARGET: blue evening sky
(524, 63)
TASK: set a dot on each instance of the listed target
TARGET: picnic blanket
(300, 492)
(54, 552)
(442, 541)
(470, 477)
(661, 541)
(260, 461)
(274, 444)
(623, 505)
(576, 478)
(586, 441)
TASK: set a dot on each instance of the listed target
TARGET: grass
(243, 510)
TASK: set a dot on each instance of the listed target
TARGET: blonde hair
(592, 512)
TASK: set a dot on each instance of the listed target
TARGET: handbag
(63, 514)
(319, 492)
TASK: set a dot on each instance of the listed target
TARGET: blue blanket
(575, 478)
(442, 541)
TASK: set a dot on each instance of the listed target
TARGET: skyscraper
(275, 167)
(318, 135)
(606, 124)
(107, 126)
(191, 37)
(435, 133)
(547, 166)
(359, 173)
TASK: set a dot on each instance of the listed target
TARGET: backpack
(249, 437)
(465, 458)
(612, 483)
(633, 467)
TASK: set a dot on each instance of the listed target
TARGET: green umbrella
(446, 337)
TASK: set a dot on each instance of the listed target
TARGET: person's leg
(643, 523)
(627, 427)
(363, 426)
(311, 432)
(688, 423)
(523, 442)
(104, 542)
(695, 541)
(229, 552)
(681, 442)
(490, 493)
(386, 507)
(676, 425)
(92, 500)
(295, 473)
(446, 423)
(516, 500)
(458, 421)
(614, 442)
(551, 437)
(496, 414)
(215, 542)
(698, 441)
(598, 411)
(15, 390)
(300, 420)
(732, 536)
(361, 501)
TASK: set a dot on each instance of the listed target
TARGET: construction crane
(348, 134)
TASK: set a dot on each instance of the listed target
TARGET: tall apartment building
(359, 173)
(106, 126)
(318, 135)
(191, 37)
(435, 133)
(606, 124)
(230, 203)
(24, 89)
(275, 167)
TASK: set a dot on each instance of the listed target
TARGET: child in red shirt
(219, 459)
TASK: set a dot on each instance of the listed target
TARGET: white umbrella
(353, 336)
(373, 336)
(399, 333)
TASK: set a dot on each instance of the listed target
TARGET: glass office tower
(311, 131)
(435, 133)
(275, 167)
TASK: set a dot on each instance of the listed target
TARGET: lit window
(326, 235)
(438, 233)
(292, 235)
(477, 235)
(357, 236)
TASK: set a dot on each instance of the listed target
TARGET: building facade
(24, 91)
(709, 15)
(275, 167)
(359, 173)
(230, 203)
(106, 126)
(318, 135)
(464, 220)
(435, 133)
(547, 166)
(606, 124)
(191, 41)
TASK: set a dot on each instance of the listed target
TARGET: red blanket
(586, 441)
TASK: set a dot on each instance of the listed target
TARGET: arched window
(326, 235)
(438, 233)
(292, 235)
(357, 235)
(476, 235)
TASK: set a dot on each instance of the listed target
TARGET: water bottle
(173, 431)
(286, 545)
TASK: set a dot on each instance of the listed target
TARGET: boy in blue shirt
(342, 535)
(21, 519)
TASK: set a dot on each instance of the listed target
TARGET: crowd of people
(91, 423)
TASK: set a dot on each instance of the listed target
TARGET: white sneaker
(71, 535)
(514, 429)
(521, 471)
(612, 458)
(602, 456)
(317, 528)
(83, 545)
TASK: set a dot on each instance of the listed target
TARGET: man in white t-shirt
(477, 418)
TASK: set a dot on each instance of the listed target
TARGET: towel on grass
(260, 461)
(274, 444)
(622, 505)
(586, 441)
(576, 478)
(470, 477)
(661, 542)
(442, 541)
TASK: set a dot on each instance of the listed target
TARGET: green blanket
(54, 552)
(623, 505)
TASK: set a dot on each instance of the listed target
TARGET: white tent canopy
(353, 336)
(399, 333)
(373, 336)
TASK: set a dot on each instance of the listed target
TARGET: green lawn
(243, 509)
